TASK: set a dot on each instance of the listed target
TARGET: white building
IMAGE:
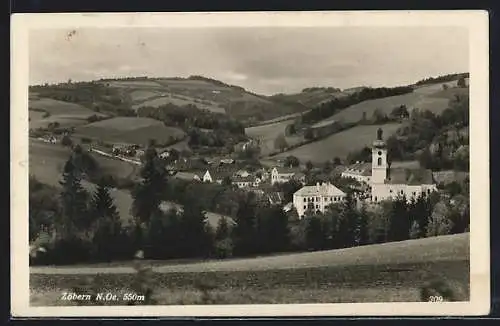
(388, 183)
(283, 174)
(316, 198)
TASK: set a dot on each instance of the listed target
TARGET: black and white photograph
(224, 162)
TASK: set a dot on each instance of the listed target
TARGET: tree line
(80, 226)
(327, 109)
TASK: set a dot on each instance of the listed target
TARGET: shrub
(223, 248)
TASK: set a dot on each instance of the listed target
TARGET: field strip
(444, 248)
(115, 157)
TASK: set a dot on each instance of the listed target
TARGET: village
(370, 182)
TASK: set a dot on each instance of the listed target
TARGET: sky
(265, 60)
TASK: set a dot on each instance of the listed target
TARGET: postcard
(250, 164)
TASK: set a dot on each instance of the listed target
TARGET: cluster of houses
(127, 150)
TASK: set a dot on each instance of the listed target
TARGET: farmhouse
(316, 198)
(387, 183)
(245, 182)
(212, 176)
(284, 174)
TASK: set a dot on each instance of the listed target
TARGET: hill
(130, 130)
(43, 111)
(310, 97)
(375, 273)
(339, 144)
(427, 97)
(119, 96)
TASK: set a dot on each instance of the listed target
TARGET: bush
(223, 248)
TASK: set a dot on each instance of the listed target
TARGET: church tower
(379, 159)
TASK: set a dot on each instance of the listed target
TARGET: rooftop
(324, 189)
(409, 176)
(287, 170)
(364, 169)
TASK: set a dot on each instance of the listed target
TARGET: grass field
(340, 144)
(177, 100)
(129, 130)
(47, 161)
(67, 114)
(429, 98)
(268, 133)
(375, 273)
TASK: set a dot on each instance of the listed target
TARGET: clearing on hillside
(46, 162)
(43, 111)
(131, 130)
(180, 101)
(268, 133)
(340, 144)
(423, 98)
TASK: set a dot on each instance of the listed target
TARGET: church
(386, 182)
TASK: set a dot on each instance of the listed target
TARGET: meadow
(47, 162)
(430, 98)
(45, 110)
(131, 130)
(179, 101)
(375, 273)
(339, 144)
(268, 133)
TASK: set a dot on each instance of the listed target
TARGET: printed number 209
(435, 298)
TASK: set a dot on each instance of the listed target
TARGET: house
(316, 198)
(212, 176)
(50, 140)
(243, 182)
(360, 171)
(283, 174)
(242, 173)
(388, 183)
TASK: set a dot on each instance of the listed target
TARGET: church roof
(287, 170)
(409, 176)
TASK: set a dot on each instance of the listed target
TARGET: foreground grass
(407, 271)
(363, 283)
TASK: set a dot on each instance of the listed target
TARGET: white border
(475, 21)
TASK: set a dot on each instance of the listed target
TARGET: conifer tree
(194, 233)
(315, 233)
(244, 232)
(222, 231)
(399, 221)
(74, 201)
(149, 193)
(106, 222)
(361, 228)
(347, 222)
